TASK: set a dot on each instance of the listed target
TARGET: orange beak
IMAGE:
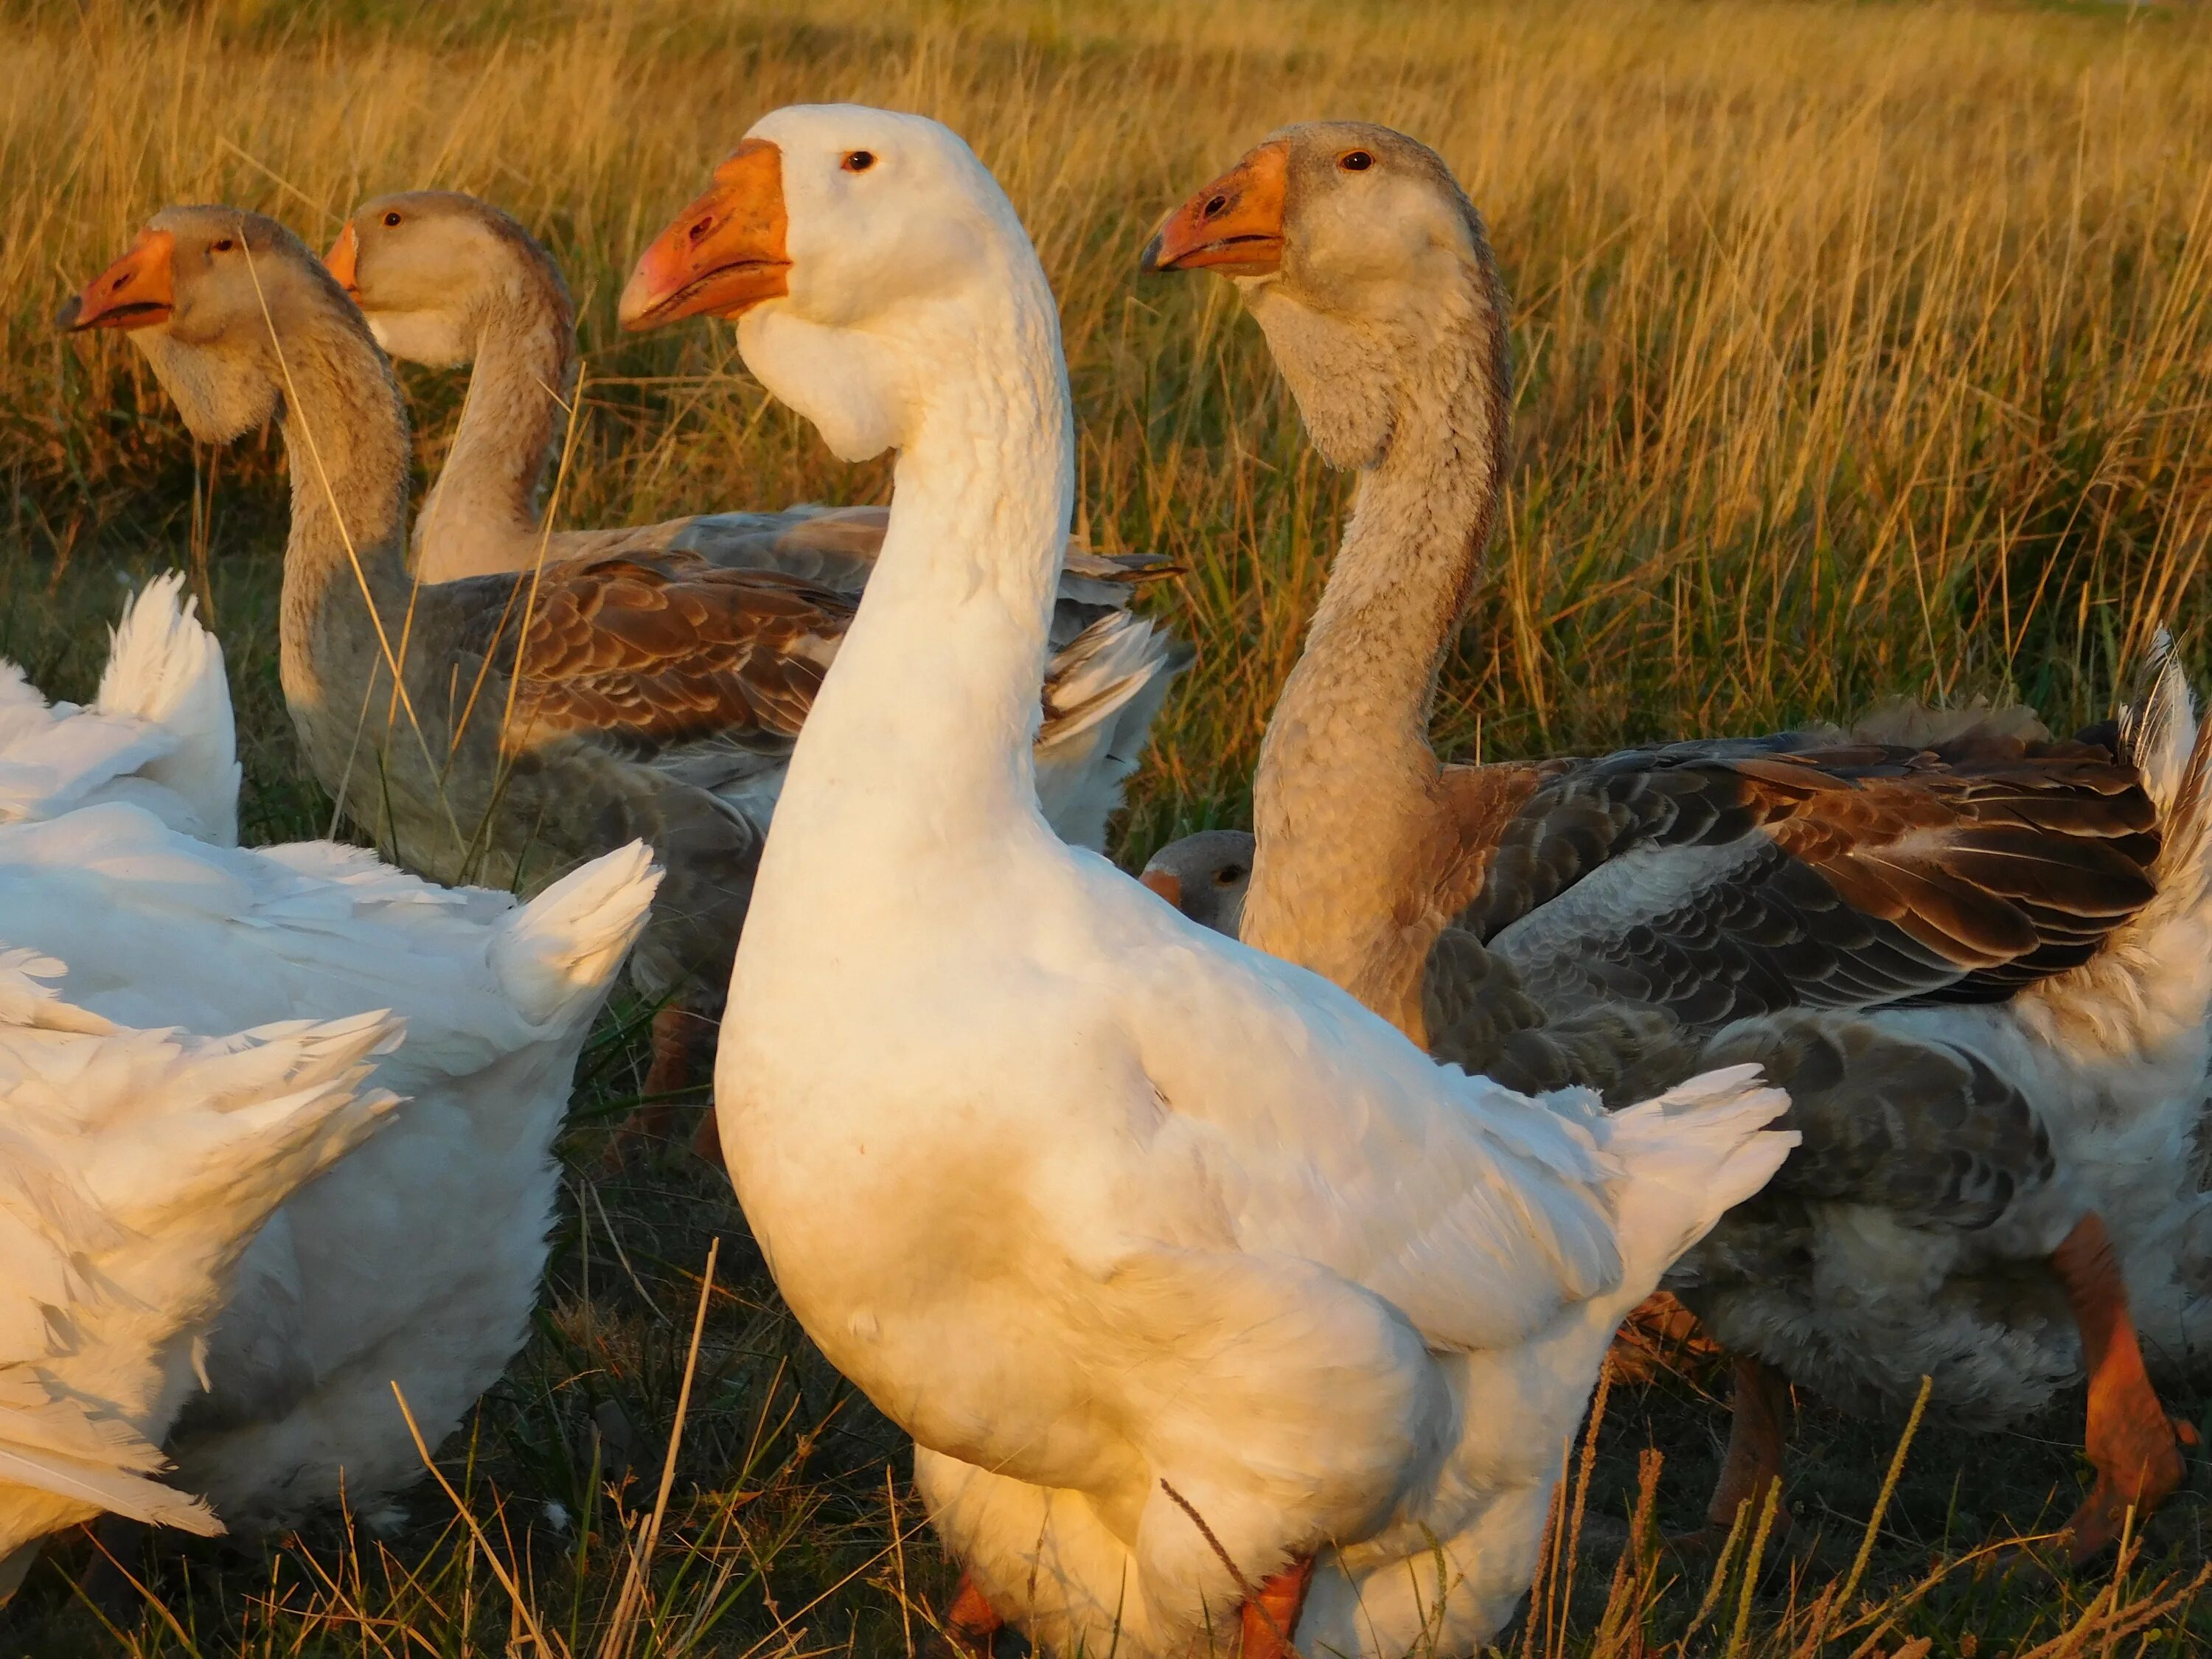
(137, 291)
(344, 262)
(1169, 887)
(1234, 226)
(725, 254)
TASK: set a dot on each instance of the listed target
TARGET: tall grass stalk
(1860, 350)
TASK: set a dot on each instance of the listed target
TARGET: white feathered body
(416, 1261)
(1119, 1201)
(1095, 1203)
(135, 1166)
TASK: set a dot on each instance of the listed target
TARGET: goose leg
(679, 1036)
(1759, 1419)
(1271, 1617)
(119, 1551)
(1660, 1335)
(2129, 1439)
(969, 1624)
(13, 1566)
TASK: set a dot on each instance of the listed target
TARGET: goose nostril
(699, 229)
(1215, 208)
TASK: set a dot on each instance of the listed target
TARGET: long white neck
(919, 744)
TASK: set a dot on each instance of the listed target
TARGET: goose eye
(859, 161)
(391, 218)
(1358, 160)
(1229, 875)
(224, 245)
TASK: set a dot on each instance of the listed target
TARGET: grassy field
(1862, 349)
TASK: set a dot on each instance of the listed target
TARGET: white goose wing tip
(165, 668)
(567, 943)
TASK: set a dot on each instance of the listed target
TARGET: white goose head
(865, 254)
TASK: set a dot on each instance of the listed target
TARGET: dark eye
(1357, 161)
(859, 161)
(224, 245)
(391, 218)
(1229, 875)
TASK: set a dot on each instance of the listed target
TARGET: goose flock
(1239, 1244)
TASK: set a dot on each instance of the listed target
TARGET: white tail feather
(568, 942)
(1689, 1155)
(117, 1490)
(1101, 693)
(165, 669)
(2161, 732)
(2147, 986)
(2158, 725)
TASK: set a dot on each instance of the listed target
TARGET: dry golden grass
(1862, 349)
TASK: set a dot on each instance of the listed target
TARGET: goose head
(1206, 876)
(1359, 255)
(204, 292)
(862, 252)
(429, 269)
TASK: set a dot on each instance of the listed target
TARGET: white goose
(159, 733)
(134, 1167)
(415, 1260)
(1115, 1215)
(499, 997)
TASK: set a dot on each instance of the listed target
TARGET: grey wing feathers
(1927, 1131)
(1478, 1016)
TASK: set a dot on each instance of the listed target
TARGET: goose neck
(346, 444)
(489, 494)
(931, 709)
(1345, 797)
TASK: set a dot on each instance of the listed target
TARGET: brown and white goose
(447, 279)
(1975, 957)
(535, 721)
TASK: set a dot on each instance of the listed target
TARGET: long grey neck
(345, 438)
(482, 512)
(1345, 800)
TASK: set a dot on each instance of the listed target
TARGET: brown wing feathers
(2009, 861)
(675, 651)
(1841, 873)
(1585, 813)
